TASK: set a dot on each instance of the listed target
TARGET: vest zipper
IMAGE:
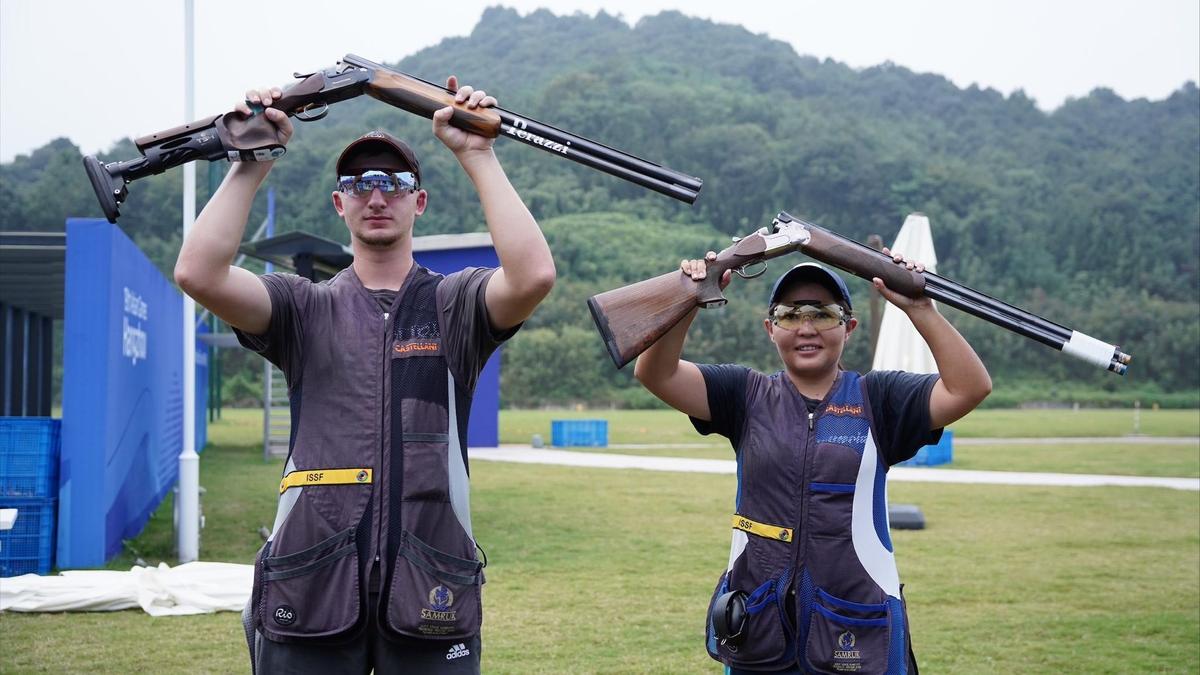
(800, 552)
(383, 474)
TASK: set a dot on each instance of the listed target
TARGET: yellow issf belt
(325, 477)
(762, 529)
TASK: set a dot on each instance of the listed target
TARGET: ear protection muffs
(729, 617)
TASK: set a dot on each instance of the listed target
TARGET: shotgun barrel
(864, 261)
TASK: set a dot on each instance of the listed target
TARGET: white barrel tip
(1090, 349)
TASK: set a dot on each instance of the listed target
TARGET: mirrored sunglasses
(822, 317)
(391, 185)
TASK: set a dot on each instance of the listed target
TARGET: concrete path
(529, 455)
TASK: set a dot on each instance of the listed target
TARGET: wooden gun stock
(422, 98)
(632, 318)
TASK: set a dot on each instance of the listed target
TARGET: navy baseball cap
(378, 150)
(817, 274)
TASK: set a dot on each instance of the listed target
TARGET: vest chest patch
(416, 347)
(416, 331)
(843, 429)
(420, 330)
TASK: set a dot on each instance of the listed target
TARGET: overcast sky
(97, 71)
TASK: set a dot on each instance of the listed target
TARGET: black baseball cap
(378, 150)
(816, 274)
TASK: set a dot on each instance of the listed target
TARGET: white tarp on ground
(191, 588)
(900, 346)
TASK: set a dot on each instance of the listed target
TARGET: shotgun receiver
(632, 318)
(232, 137)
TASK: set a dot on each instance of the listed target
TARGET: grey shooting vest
(361, 489)
(811, 549)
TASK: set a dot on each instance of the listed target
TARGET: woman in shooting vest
(811, 585)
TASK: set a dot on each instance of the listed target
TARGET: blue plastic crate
(29, 448)
(587, 433)
(932, 455)
(28, 548)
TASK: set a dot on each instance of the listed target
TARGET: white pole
(189, 461)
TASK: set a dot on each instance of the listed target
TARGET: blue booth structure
(82, 483)
(122, 428)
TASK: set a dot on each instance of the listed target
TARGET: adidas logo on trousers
(458, 651)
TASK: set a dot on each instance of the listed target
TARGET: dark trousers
(370, 651)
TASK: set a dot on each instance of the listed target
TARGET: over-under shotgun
(632, 318)
(236, 138)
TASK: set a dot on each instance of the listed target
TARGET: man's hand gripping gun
(232, 137)
(632, 318)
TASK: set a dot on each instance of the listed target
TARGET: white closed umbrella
(900, 346)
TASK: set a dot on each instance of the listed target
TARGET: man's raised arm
(204, 270)
(526, 272)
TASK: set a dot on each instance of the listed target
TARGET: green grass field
(600, 571)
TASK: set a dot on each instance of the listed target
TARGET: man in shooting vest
(372, 562)
(811, 584)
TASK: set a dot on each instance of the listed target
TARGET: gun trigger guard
(313, 112)
(741, 271)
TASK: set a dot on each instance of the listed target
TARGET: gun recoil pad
(108, 192)
(728, 617)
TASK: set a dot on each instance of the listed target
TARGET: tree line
(1088, 215)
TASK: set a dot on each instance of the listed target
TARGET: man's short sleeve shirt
(467, 335)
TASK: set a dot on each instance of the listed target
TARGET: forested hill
(1089, 215)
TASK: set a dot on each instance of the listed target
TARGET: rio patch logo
(440, 600)
(284, 615)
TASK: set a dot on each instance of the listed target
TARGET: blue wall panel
(122, 427)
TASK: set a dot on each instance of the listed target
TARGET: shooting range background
(1085, 215)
